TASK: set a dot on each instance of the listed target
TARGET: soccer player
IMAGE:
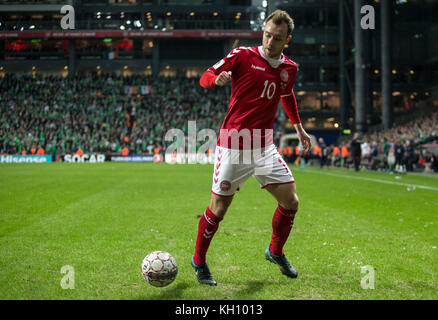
(260, 77)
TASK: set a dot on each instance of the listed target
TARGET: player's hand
(305, 140)
(223, 78)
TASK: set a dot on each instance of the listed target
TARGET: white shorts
(233, 167)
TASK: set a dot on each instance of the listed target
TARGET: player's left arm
(290, 106)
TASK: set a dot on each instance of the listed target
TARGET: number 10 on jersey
(269, 90)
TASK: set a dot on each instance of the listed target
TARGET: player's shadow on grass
(250, 288)
(172, 293)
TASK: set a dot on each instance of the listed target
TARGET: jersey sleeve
(207, 80)
(291, 82)
(290, 106)
(228, 63)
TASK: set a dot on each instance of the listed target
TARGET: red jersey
(257, 85)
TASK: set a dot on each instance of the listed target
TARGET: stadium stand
(101, 113)
(405, 147)
(108, 113)
(130, 69)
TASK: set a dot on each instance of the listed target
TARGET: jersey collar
(273, 62)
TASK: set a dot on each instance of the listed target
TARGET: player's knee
(291, 203)
(219, 206)
(219, 210)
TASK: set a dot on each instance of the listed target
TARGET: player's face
(275, 38)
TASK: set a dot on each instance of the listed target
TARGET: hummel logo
(207, 235)
(209, 220)
(233, 52)
(258, 68)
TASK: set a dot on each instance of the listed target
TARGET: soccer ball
(159, 268)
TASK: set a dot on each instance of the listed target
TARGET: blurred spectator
(322, 152)
(399, 151)
(356, 151)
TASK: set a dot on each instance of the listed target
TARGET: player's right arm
(209, 79)
(220, 74)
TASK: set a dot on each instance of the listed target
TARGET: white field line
(373, 180)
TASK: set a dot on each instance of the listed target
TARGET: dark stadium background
(154, 52)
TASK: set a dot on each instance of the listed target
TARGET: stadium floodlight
(128, 21)
(122, 27)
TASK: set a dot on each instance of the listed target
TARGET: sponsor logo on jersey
(257, 67)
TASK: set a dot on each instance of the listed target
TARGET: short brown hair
(280, 16)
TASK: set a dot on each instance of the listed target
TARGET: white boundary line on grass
(374, 180)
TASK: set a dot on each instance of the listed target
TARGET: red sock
(281, 226)
(207, 227)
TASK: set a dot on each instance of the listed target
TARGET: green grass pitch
(102, 219)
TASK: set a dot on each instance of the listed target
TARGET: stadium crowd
(106, 113)
(110, 113)
(399, 149)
